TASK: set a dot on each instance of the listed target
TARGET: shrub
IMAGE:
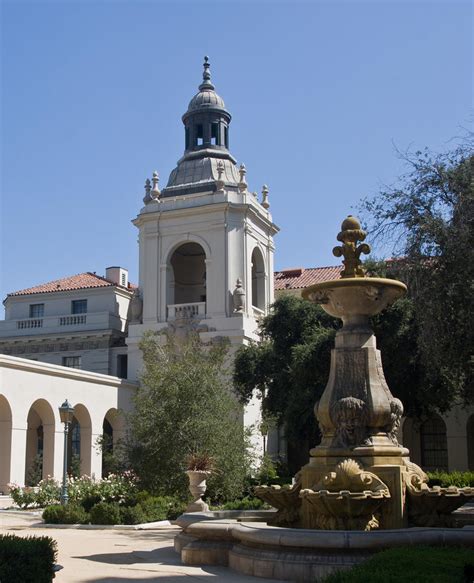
(433, 564)
(157, 507)
(446, 479)
(48, 492)
(132, 515)
(29, 559)
(67, 514)
(267, 472)
(23, 497)
(105, 513)
(35, 471)
(247, 503)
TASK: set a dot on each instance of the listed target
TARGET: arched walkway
(113, 430)
(187, 281)
(5, 443)
(39, 462)
(434, 444)
(258, 279)
(80, 440)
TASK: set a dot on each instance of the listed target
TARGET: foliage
(407, 564)
(289, 368)
(201, 462)
(267, 472)
(65, 514)
(105, 513)
(428, 218)
(246, 503)
(35, 471)
(446, 479)
(114, 455)
(137, 510)
(184, 406)
(23, 497)
(121, 488)
(75, 466)
(27, 559)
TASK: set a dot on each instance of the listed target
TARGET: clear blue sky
(93, 93)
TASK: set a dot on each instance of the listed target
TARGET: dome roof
(206, 98)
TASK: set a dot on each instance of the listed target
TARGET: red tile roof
(292, 278)
(301, 277)
(81, 281)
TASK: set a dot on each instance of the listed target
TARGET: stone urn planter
(197, 487)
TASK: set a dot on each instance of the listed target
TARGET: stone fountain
(359, 479)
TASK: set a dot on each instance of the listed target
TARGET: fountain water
(359, 478)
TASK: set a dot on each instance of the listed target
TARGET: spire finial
(265, 191)
(206, 76)
(351, 233)
(243, 182)
(147, 197)
(155, 192)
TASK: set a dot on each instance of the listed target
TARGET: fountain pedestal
(357, 414)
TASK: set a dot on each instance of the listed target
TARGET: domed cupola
(206, 123)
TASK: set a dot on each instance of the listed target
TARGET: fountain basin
(355, 296)
(300, 555)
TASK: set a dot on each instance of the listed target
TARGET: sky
(321, 93)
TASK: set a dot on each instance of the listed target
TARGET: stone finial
(206, 76)
(243, 183)
(155, 191)
(351, 233)
(219, 181)
(147, 197)
(238, 296)
(265, 203)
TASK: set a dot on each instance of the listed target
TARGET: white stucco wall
(23, 383)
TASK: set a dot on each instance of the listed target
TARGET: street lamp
(66, 413)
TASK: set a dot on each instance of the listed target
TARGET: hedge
(410, 565)
(27, 559)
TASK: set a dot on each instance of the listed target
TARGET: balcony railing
(30, 323)
(61, 323)
(192, 310)
(72, 320)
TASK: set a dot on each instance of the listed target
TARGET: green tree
(289, 369)
(428, 219)
(184, 406)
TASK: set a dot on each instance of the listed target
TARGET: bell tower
(205, 241)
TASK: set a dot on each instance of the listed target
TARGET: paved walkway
(116, 556)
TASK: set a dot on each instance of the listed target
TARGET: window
(36, 310)
(72, 361)
(199, 135)
(79, 307)
(434, 445)
(122, 366)
(124, 279)
(215, 134)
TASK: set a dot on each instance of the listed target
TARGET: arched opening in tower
(187, 281)
(258, 280)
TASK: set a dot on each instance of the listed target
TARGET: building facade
(78, 322)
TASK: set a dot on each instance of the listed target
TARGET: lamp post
(66, 413)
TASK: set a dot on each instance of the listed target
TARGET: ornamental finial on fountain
(351, 233)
